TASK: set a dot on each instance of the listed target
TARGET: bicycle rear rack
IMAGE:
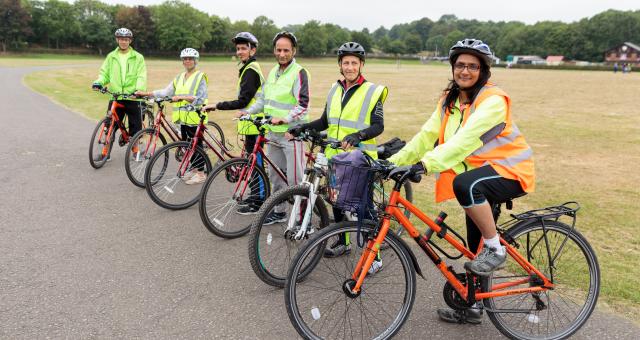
(568, 208)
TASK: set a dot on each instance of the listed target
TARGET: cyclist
(188, 87)
(285, 97)
(478, 154)
(249, 82)
(353, 115)
(124, 71)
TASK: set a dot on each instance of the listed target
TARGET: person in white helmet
(188, 87)
(124, 71)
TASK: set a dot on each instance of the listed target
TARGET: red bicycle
(104, 134)
(144, 143)
(168, 175)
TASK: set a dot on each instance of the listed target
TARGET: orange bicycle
(547, 289)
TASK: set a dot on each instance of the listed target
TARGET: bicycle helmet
(189, 53)
(288, 35)
(351, 48)
(245, 37)
(471, 46)
(123, 33)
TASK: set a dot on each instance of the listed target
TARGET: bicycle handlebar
(105, 90)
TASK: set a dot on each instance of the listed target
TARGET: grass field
(584, 128)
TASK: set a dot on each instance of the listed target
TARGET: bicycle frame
(467, 292)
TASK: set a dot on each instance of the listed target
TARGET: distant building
(555, 60)
(525, 59)
(624, 53)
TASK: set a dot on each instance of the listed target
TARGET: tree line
(173, 25)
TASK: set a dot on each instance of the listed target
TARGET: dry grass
(584, 128)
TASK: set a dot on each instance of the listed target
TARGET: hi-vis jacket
(245, 127)
(482, 133)
(188, 87)
(135, 76)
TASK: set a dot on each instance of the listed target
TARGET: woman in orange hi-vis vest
(477, 153)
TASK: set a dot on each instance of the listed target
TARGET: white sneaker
(376, 266)
(188, 175)
(198, 178)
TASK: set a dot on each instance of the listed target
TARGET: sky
(356, 15)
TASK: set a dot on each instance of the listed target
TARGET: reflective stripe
(365, 107)
(498, 142)
(333, 90)
(192, 90)
(511, 162)
(278, 105)
(347, 123)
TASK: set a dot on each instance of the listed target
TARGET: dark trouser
(257, 196)
(482, 185)
(133, 110)
(338, 216)
(188, 132)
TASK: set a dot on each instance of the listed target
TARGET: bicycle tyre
(325, 303)
(274, 274)
(227, 172)
(158, 179)
(576, 246)
(97, 164)
(135, 171)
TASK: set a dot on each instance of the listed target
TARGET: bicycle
(226, 188)
(272, 247)
(145, 142)
(533, 297)
(169, 169)
(104, 133)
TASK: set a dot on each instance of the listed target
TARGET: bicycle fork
(306, 219)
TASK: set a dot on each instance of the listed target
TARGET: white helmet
(189, 53)
(123, 33)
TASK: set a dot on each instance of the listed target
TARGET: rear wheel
(567, 259)
(167, 176)
(226, 193)
(139, 151)
(271, 247)
(215, 136)
(100, 146)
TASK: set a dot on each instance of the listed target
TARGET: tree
(363, 38)
(312, 40)
(96, 24)
(413, 43)
(435, 43)
(396, 47)
(178, 25)
(14, 23)
(336, 36)
(59, 23)
(452, 38)
(139, 20)
(264, 30)
(221, 35)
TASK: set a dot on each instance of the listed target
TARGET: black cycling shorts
(484, 184)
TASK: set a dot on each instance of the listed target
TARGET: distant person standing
(615, 67)
(124, 71)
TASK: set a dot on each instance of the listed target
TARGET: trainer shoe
(486, 262)
(337, 249)
(376, 266)
(469, 315)
(248, 209)
(198, 178)
(275, 217)
(188, 175)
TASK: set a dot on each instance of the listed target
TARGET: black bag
(391, 147)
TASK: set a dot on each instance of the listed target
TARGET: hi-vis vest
(355, 116)
(505, 148)
(187, 88)
(245, 127)
(278, 97)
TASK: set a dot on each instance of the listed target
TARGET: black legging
(188, 132)
(257, 196)
(482, 185)
(133, 110)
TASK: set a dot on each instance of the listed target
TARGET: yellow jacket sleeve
(103, 76)
(462, 141)
(421, 143)
(141, 79)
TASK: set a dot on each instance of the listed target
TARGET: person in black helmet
(348, 98)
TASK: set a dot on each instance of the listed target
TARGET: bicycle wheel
(572, 267)
(319, 306)
(271, 247)
(100, 147)
(226, 190)
(381, 192)
(166, 177)
(146, 142)
(215, 136)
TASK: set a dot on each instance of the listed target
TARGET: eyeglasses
(470, 67)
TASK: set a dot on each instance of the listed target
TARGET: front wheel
(100, 145)
(321, 305)
(170, 175)
(139, 151)
(272, 244)
(231, 197)
(566, 258)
